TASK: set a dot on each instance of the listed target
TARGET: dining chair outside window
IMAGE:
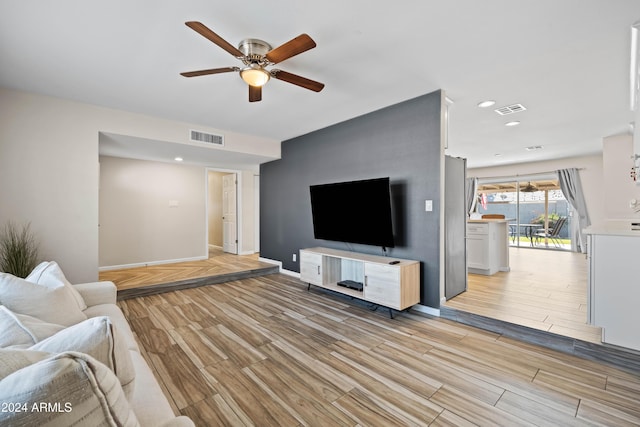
(553, 234)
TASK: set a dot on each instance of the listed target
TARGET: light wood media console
(384, 281)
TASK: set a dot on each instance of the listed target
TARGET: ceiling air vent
(510, 109)
(207, 138)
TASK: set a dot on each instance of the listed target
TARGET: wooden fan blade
(293, 47)
(255, 93)
(297, 80)
(210, 71)
(205, 32)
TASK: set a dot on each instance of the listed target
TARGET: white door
(229, 214)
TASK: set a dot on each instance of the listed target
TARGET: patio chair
(553, 234)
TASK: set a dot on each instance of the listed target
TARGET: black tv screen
(354, 212)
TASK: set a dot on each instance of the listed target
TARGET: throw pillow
(62, 390)
(12, 360)
(22, 330)
(98, 338)
(51, 304)
(50, 274)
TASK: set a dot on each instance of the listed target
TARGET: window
(538, 214)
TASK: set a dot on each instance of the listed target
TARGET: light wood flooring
(218, 264)
(545, 290)
(266, 352)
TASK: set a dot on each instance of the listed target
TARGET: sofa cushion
(98, 338)
(118, 319)
(65, 389)
(95, 293)
(53, 304)
(50, 274)
(23, 330)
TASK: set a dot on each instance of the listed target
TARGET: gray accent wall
(403, 142)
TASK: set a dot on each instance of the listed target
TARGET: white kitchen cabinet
(368, 277)
(614, 293)
(487, 246)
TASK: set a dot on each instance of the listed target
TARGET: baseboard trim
(271, 261)
(279, 264)
(146, 264)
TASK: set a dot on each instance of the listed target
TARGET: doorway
(222, 211)
(544, 289)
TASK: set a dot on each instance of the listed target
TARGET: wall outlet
(294, 257)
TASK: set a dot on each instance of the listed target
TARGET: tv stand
(370, 278)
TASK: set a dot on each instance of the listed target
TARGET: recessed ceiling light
(178, 159)
(514, 123)
(485, 104)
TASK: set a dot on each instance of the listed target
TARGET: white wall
(591, 176)
(150, 212)
(248, 213)
(620, 188)
(49, 169)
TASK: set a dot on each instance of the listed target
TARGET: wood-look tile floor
(267, 352)
(545, 290)
(218, 263)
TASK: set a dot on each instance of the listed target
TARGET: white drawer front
(477, 228)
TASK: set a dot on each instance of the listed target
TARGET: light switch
(428, 205)
(173, 203)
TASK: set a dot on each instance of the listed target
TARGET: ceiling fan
(256, 55)
(529, 188)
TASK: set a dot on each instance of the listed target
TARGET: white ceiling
(566, 61)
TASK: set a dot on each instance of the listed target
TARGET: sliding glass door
(539, 216)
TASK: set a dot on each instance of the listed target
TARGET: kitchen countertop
(615, 228)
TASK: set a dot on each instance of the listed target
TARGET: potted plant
(18, 250)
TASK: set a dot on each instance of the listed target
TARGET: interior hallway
(545, 290)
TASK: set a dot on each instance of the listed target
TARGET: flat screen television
(354, 212)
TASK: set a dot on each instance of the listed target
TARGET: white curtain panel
(572, 190)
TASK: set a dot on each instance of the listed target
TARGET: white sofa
(69, 349)
(149, 402)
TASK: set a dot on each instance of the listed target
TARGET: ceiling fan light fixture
(529, 188)
(255, 76)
